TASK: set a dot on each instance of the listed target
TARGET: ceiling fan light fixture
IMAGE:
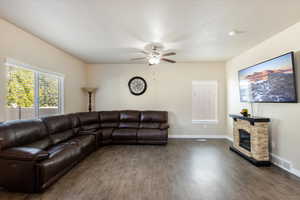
(154, 54)
(154, 60)
(232, 33)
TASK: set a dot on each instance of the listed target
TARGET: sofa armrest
(24, 154)
(164, 126)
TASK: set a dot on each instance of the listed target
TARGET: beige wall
(26, 48)
(169, 88)
(285, 129)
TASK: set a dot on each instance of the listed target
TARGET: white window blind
(32, 93)
(205, 102)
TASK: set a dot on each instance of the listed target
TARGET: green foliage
(49, 92)
(20, 89)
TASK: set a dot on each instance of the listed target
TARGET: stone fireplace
(251, 139)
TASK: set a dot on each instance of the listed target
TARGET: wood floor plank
(182, 170)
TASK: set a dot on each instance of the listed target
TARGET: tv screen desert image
(270, 81)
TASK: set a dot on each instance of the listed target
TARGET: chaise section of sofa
(34, 153)
(68, 149)
(24, 145)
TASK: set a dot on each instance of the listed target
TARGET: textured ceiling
(101, 31)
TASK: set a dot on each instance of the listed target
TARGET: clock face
(137, 85)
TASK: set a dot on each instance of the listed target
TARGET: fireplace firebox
(245, 139)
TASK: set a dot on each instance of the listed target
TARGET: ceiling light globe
(154, 60)
(232, 33)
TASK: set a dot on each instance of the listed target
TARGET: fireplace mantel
(252, 120)
(251, 139)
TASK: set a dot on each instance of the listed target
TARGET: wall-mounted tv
(272, 81)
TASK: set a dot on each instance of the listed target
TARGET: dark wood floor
(182, 170)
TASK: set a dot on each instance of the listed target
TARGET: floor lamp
(90, 92)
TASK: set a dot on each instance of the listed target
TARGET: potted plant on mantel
(245, 113)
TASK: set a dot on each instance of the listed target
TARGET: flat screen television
(272, 81)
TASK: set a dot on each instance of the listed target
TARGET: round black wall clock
(137, 85)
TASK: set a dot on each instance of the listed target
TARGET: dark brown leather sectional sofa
(36, 153)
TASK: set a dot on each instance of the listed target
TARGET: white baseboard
(229, 138)
(284, 164)
(201, 137)
(280, 162)
(197, 136)
(275, 159)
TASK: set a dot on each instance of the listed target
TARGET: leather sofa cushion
(59, 127)
(41, 144)
(164, 126)
(110, 125)
(129, 125)
(126, 134)
(97, 134)
(150, 125)
(61, 157)
(129, 116)
(7, 136)
(24, 132)
(154, 116)
(75, 122)
(89, 120)
(87, 143)
(90, 127)
(151, 134)
(109, 119)
(62, 136)
(24, 153)
(107, 133)
(109, 116)
(57, 124)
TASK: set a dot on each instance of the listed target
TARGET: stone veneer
(259, 135)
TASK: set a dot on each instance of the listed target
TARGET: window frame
(37, 71)
(207, 122)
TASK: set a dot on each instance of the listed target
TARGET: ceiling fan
(154, 54)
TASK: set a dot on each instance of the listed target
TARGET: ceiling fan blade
(168, 60)
(143, 58)
(144, 52)
(169, 54)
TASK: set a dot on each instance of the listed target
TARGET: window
(204, 102)
(32, 93)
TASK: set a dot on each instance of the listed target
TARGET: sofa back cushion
(75, 122)
(89, 120)
(7, 136)
(24, 133)
(109, 119)
(59, 127)
(129, 119)
(153, 119)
